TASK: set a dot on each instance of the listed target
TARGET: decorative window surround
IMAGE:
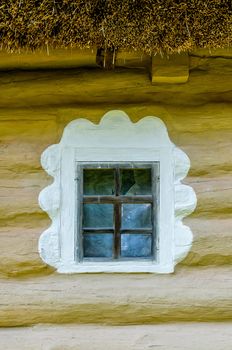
(115, 139)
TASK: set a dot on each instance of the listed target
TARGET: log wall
(36, 102)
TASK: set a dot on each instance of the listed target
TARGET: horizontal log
(188, 336)
(42, 60)
(68, 58)
(214, 195)
(63, 58)
(197, 295)
(61, 88)
(179, 119)
(211, 241)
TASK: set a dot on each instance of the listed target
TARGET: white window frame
(115, 139)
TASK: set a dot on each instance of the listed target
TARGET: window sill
(118, 267)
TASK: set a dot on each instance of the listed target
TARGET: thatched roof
(145, 25)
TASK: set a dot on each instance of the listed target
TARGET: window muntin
(118, 210)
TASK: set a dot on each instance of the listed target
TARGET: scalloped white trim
(115, 138)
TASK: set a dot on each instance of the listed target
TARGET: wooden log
(170, 69)
(188, 336)
(199, 295)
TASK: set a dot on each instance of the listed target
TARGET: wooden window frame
(117, 200)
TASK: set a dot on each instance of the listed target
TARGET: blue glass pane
(98, 181)
(136, 216)
(97, 245)
(136, 182)
(98, 215)
(136, 245)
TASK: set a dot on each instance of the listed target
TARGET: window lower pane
(136, 245)
(136, 216)
(98, 245)
(98, 215)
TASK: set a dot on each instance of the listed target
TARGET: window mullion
(117, 216)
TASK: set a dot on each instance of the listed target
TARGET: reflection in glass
(136, 216)
(98, 181)
(97, 245)
(135, 182)
(136, 245)
(98, 215)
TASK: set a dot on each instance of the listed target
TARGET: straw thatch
(145, 25)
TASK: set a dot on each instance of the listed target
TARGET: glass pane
(98, 215)
(98, 181)
(136, 216)
(135, 182)
(135, 245)
(98, 245)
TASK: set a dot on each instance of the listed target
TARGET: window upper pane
(98, 182)
(136, 182)
(136, 216)
(98, 215)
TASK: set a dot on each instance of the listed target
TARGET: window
(118, 211)
(117, 201)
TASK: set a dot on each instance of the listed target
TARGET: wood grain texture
(171, 69)
(35, 106)
(195, 295)
(179, 336)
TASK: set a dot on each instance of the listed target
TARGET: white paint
(115, 139)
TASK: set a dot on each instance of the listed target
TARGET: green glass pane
(98, 181)
(136, 245)
(136, 216)
(136, 182)
(97, 245)
(98, 215)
